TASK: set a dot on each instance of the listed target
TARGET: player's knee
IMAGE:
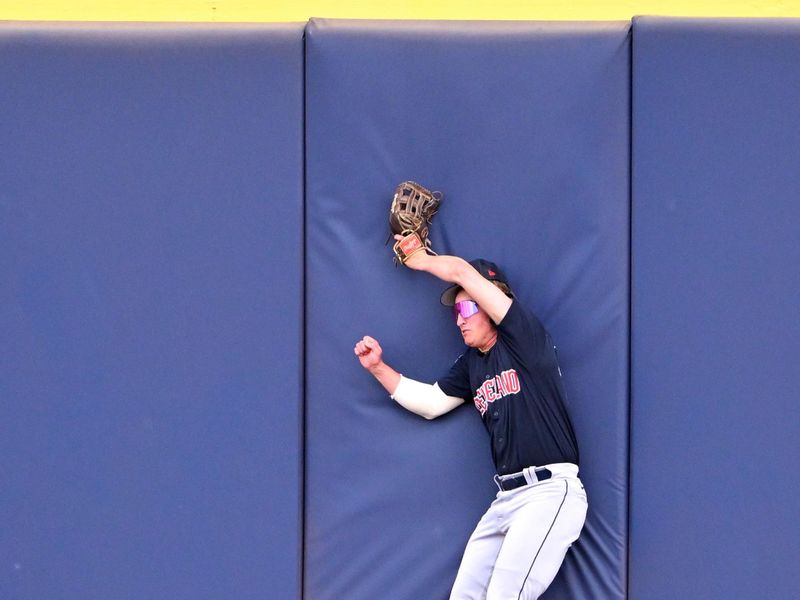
(466, 593)
(530, 592)
(531, 589)
(467, 588)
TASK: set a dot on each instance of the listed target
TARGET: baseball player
(510, 371)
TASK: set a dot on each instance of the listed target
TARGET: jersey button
(501, 440)
(495, 414)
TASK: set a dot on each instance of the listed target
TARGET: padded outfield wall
(149, 335)
(525, 128)
(716, 299)
(181, 412)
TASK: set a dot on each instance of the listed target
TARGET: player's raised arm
(412, 209)
(459, 272)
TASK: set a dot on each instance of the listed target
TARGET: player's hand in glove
(413, 207)
(369, 352)
(416, 260)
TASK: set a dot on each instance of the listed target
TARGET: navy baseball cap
(486, 268)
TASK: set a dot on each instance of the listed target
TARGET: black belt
(516, 480)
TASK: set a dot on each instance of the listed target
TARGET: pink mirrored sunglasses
(465, 308)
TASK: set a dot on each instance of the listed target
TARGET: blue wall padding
(715, 309)
(151, 368)
(525, 127)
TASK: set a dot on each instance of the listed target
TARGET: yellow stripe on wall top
(277, 11)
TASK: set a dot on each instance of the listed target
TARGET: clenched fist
(369, 352)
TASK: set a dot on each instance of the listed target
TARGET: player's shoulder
(520, 323)
(517, 311)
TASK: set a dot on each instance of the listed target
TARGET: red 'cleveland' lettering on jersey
(499, 386)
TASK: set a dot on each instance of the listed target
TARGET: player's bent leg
(478, 559)
(542, 529)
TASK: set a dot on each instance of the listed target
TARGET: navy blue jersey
(517, 388)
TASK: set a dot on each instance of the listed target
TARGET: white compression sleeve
(424, 399)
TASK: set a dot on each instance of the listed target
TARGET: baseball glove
(413, 207)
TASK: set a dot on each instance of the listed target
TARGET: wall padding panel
(150, 311)
(525, 128)
(716, 293)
